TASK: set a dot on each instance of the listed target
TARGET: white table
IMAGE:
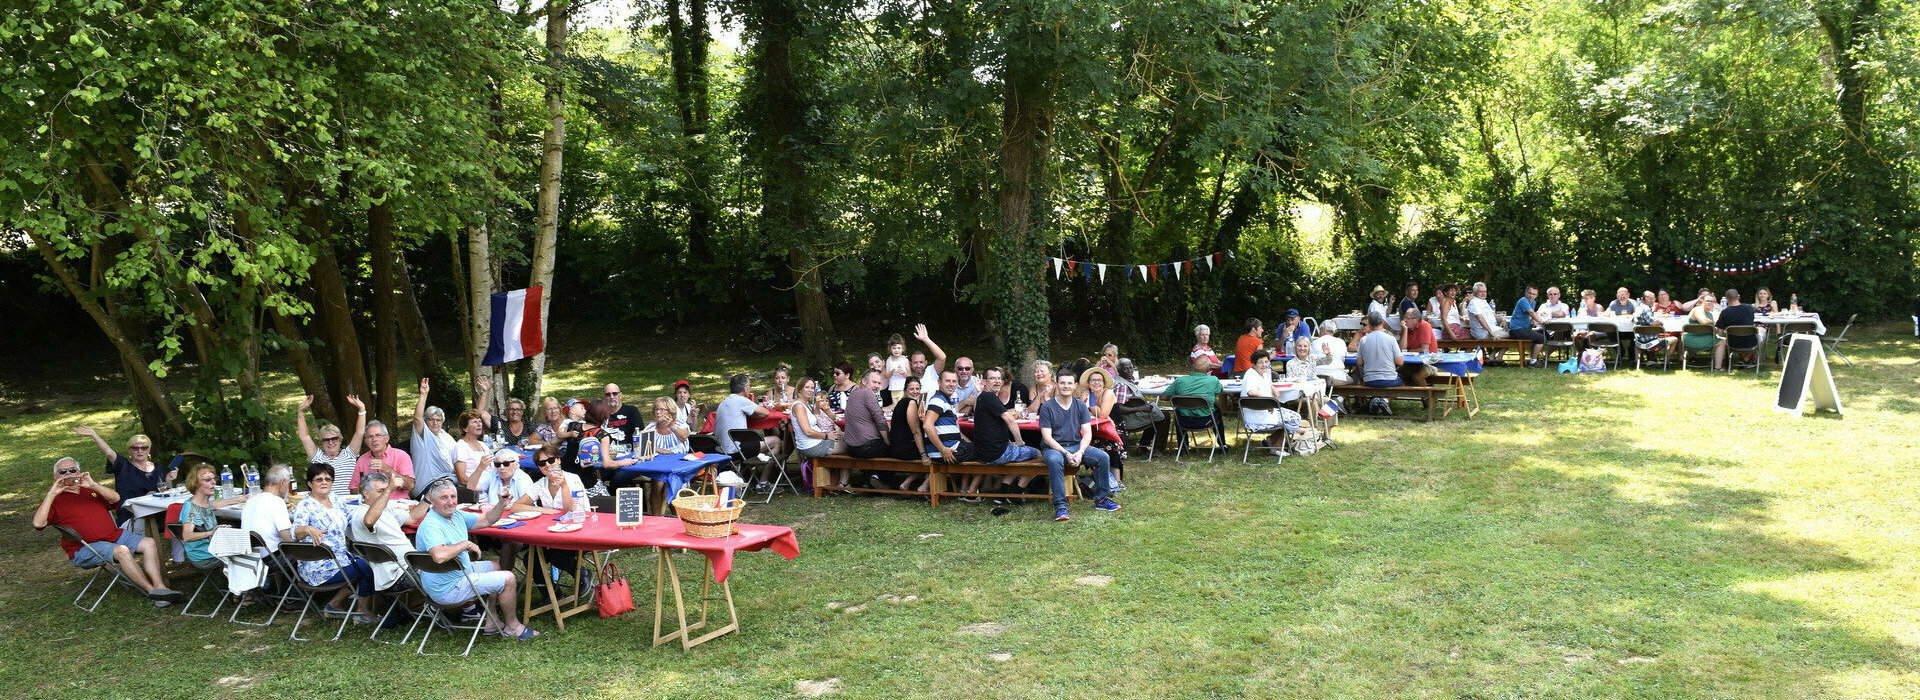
(1673, 324)
(151, 510)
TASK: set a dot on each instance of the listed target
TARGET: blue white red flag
(516, 326)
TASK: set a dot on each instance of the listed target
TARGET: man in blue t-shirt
(443, 533)
(1066, 427)
(1525, 324)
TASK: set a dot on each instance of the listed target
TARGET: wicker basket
(702, 517)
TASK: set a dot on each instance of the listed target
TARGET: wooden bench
(1428, 396)
(936, 473)
(1496, 348)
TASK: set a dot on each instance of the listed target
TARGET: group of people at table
(1474, 318)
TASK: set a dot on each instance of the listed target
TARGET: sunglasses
(140, 447)
(964, 369)
(335, 438)
(69, 471)
(547, 461)
(613, 393)
(507, 463)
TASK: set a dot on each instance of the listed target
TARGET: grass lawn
(1658, 534)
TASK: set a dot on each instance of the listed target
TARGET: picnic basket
(702, 516)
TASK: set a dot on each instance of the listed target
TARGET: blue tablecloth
(1449, 362)
(674, 469)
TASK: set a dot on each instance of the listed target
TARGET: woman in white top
(685, 409)
(781, 393)
(669, 434)
(1258, 382)
(469, 453)
(556, 488)
(1306, 365)
(1334, 365)
(814, 434)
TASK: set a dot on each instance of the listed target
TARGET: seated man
(1415, 336)
(379, 522)
(266, 513)
(1482, 322)
(1380, 302)
(77, 502)
(1245, 347)
(1290, 328)
(1066, 426)
(1203, 384)
(732, 414)
(1380, 360)
(1735, 314)
(967, 383)
(1526, 323)
(941, 422)
(443, 533)
(1622, 304)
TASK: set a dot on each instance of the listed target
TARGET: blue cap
(1293, 313)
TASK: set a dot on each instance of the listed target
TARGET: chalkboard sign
(1805, 370)
(628, 505)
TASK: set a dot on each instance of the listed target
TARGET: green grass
(1629, 534)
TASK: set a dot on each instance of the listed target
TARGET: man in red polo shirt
(79, 503)
(1247, 344)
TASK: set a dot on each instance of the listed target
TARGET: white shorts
(481, 579)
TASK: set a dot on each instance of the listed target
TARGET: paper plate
(565, 527)
(523, 515)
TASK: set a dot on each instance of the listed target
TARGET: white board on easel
(1805, 369)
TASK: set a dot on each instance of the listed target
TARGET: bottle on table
(253, 478)
(1794, 303)
(226, 482)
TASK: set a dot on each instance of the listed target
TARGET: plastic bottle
(253, 478)
(1795, 303)
(226, 482)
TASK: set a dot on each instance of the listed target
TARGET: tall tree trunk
(480, 295)
(1026, 122)
(386, 353)
(304, 366)
(159, 414)
(549, 206)
(413, 324)
(335, 315)
(785, 193)
(687, 39)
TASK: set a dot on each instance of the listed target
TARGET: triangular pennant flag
(1210, 261)
(1056, 266)
(1176, 272)
(1103, 273)
(1153, 273)
(1143, 273)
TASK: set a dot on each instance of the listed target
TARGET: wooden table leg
(666, 572)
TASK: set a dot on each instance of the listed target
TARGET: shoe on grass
(166, 594)
(1106, 504)
(1060, 516)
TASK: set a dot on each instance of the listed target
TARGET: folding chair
(1833, 344)
(297, 552)
(1604, 337)
(1753, 351)
(1260, 403)
(1786, 331)
(177, 531)
(67, 533)
(378, 554)
(1687, 353)
(748, 440)
(274, 565)
(1182, 431)
(1559, 336)
(1127, 435)
(436, 612)
(1640, 353)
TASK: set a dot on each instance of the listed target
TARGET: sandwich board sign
(1805, 371)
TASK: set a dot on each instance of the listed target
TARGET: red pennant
(1153, 273)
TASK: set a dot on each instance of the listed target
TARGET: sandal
(526, 633)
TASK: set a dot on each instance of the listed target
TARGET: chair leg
(97, 571)
(196, 596)
(305, 604)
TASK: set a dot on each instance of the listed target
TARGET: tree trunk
(386, 353)
(687, 42)
(480, 295)
(304, 367)
(413, 324)
(549, 205)
(159, 414)
(1026, 121)
(335, 315)
(786, 197)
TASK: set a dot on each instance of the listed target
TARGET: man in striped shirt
(942, 423)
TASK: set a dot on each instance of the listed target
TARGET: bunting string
(1761, 265)
(1134, 272)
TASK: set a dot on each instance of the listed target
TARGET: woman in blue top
(196, 517)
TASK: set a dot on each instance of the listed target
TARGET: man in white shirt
(267, 514)
(1481, 320)
(1554, 308)
(969, 383)
(929, 372)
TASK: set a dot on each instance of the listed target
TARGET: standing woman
(330, 451)
(469, 453)
(134, 474)
(1097, 390)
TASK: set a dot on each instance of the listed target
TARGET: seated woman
(599, 453)
(904, 441)
(814, 434)
(1706, 312)
(1202, 346)
(1042, 385)
(1258, 382)
(1109, 358)
(331, 447)
(1305, 366)
(1098, 390)
(1763, 302)
(1589, 306)
(668, 433)
(502, 479)
(318, 511)
(1453, 323)
(555, 493)
(842, 387)
(197, 522)
(1331, 354)
(780, 392)
(1663, 304)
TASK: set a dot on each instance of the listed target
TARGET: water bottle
(226, 482)
(253, 478)
(1794, 304)
(579, 507)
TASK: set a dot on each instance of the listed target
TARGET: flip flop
(526, 633)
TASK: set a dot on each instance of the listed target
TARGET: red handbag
(611, 592)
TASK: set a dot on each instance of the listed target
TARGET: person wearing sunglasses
(75, 501)
(332, 450)
(134, 473)
(624, 419)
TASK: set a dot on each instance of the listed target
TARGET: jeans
(1014, 453)
(1056, 473)
(1382, 383)
(1528, 334)
(356, 571)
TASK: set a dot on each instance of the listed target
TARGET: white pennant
(1103, 273)
(1056, 267)
(1209, 262)
(1143, 273)
(1176, 270)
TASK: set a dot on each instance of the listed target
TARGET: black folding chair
(178, 531)
(1559, 337)
(1752, 334)
(1640, 354)
(1604, 337)
(1687, 353)
(1833, 344)
(748, 442)
(377, 554)
(1786, 333)
(1260, 403)
(297, 552)
(1184, 433)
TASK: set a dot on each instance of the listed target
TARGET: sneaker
(363, 619)
(471, 614)
(763, 486)
(1060, 516)
(971, 497)
(875, 482)
(333, 612)
(599, 489)
(1386, 407)
(1106, 504)
(165, 594)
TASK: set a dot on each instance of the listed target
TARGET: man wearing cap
(1380, 303)
(1292, 329)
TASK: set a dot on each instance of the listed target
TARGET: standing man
(1526, 324)
(77, 502)
(381, 457)
(624, 423)
(1067, 429)
(1410, 301)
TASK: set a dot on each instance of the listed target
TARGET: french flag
(516, 326)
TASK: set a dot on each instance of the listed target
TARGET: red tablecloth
(773, 419)
(652, 532)
(1102, 429)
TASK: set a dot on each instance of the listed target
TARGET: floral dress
(332, 522)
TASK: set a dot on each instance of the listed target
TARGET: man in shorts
(443, 533)
(79, 503)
